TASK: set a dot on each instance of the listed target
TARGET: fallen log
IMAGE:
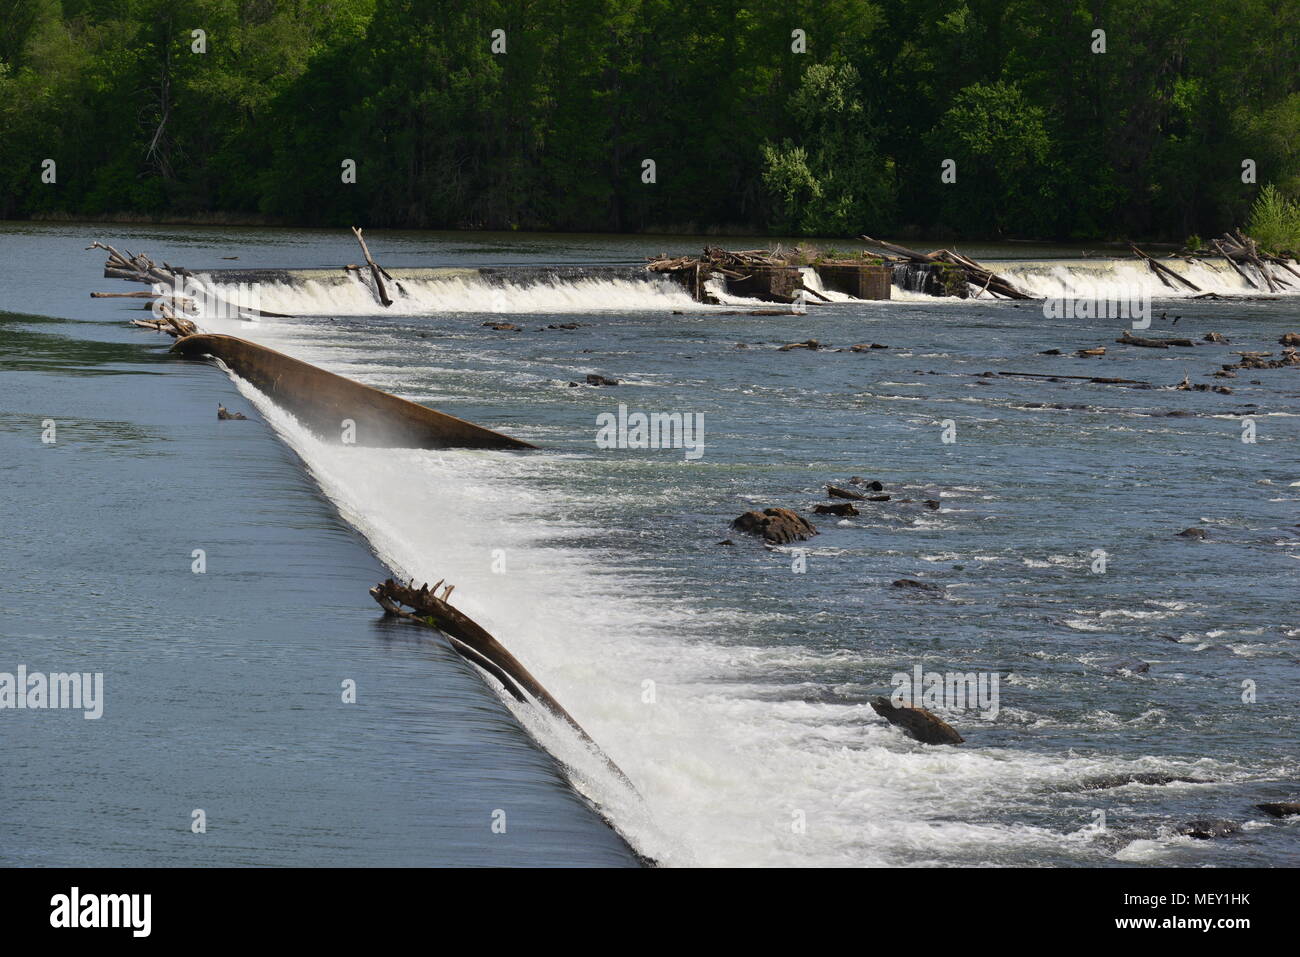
(1161, 270)
(1104, 380)
(1129, 339)
(813, 292)
(473, 642)
(182, 327)
(1222, 251)
(1252, 255)
(376, 272)
(975, 273)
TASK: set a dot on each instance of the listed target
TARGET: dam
(597, 287)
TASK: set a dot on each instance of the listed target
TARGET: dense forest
(813, 117)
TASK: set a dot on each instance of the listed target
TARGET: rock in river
(775, 525)
(917, 722)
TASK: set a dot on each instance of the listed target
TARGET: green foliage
(833, 182)
(1275, 222)
(998, 139)
(1050, 139)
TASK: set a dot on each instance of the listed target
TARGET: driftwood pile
(1237, 248)
(1240, 251)
(973, 272)
(695, 271)
(137, 267)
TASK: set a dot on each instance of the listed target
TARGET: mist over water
(761, 675)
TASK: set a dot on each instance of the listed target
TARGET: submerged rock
(1280, 808)
(918, 585)
(1290, 339)
(917, 722)
(503, 326)
(1197, 533)
(1204, 830)
(836, 508)
(775, 525)
(812, 344)
(594, 379)
(1131, 665)
(1148, 778)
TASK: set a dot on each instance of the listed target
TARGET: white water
(724, 768)
(472, 294)
(1081, 278)
(1047, 279)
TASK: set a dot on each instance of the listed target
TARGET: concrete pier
(769, 283)
(861, 281)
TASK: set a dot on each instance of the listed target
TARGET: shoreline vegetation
(948, 120)
(683, 230)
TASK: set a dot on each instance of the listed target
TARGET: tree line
(1048, 119)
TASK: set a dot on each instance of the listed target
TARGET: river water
(730, 682)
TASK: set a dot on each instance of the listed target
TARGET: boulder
(594, 379)
(917, 722)
(836, 508)
(1280, 808)
(776, 525)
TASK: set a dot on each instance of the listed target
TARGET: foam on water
(473, 294)
(1099, 279)
(1081, 278)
